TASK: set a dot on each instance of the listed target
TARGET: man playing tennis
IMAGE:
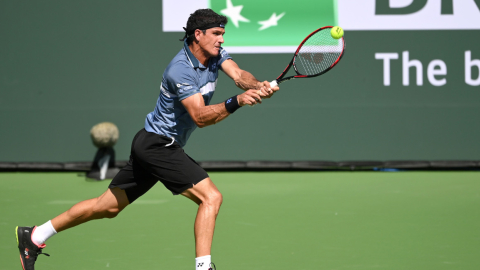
(187, 87)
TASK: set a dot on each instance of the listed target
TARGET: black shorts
(155, 158)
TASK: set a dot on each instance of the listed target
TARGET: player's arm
(209, 115)
(245, 80)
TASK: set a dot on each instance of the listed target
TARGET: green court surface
(269, 220)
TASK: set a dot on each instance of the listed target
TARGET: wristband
(231, 104)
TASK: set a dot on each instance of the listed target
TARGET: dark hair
(199, 19)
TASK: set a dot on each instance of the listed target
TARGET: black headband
(203, 27)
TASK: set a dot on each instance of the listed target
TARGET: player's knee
(215, 199)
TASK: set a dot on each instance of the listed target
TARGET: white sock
(42, 233)
(203, 263)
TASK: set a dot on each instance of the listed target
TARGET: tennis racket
(318, 53)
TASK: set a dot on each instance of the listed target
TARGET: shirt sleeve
(223, 56)
(182, 82)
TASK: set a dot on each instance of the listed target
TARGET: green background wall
(68, 65)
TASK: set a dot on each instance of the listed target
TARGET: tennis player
(157, 154)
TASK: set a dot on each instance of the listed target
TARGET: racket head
(318, 53)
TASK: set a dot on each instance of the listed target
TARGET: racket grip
(273, 83)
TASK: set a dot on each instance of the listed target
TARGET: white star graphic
(233, 12)
(270, 22)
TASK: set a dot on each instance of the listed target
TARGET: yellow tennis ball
(336, 32)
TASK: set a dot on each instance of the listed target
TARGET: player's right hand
(249, 97)
(266, 90)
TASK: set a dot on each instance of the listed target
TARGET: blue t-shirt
(183, 77)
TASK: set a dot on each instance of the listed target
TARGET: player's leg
(31, 240)
(209, 200)
(108, 205)
(128, 185)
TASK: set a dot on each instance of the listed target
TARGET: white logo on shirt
(180, 84)
(182, 90)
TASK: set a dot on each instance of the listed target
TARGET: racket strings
(318, 53)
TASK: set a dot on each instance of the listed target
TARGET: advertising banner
(279, 26)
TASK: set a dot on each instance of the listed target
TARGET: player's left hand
(266, 91)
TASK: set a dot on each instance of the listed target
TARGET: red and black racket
(318, 53)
